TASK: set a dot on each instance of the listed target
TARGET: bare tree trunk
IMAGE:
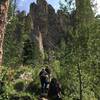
(80, 82)
(4, 4)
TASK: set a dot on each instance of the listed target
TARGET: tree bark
(80, 82)
(4, 4)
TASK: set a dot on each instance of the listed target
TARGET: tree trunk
(4, 4)
(80, 81)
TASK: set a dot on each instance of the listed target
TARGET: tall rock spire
(47, 25)
(43, 5)
(39, 15)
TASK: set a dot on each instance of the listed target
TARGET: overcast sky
(24, 4)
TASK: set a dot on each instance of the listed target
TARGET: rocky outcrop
(52, 25)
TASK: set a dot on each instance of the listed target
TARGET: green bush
(19, 86)
(32, 88)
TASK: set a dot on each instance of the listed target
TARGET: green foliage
(67, 5)
(76, 64)
(12, 45)
(19, 86)
(23, 83)
(28, 54)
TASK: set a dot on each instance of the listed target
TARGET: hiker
(48, 70)
(54, 91)
(44, 80)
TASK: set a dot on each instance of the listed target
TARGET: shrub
(19, 86)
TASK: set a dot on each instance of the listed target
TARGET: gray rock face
(52, 25)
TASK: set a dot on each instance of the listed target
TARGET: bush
(1, 87)
(19, 86)
(31, 88)
(21, 96)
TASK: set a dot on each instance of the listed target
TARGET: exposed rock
(52, 25)
(63, 20)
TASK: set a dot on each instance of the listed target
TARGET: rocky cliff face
(52, 25)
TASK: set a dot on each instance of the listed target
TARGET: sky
(98, 6)
(24, 4)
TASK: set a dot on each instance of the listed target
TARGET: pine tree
(84, 12)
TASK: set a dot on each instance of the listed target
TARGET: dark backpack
(54, 89)
(43, 75)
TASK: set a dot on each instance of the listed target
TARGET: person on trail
(48, 70)
(54, 91)
(44, 80)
